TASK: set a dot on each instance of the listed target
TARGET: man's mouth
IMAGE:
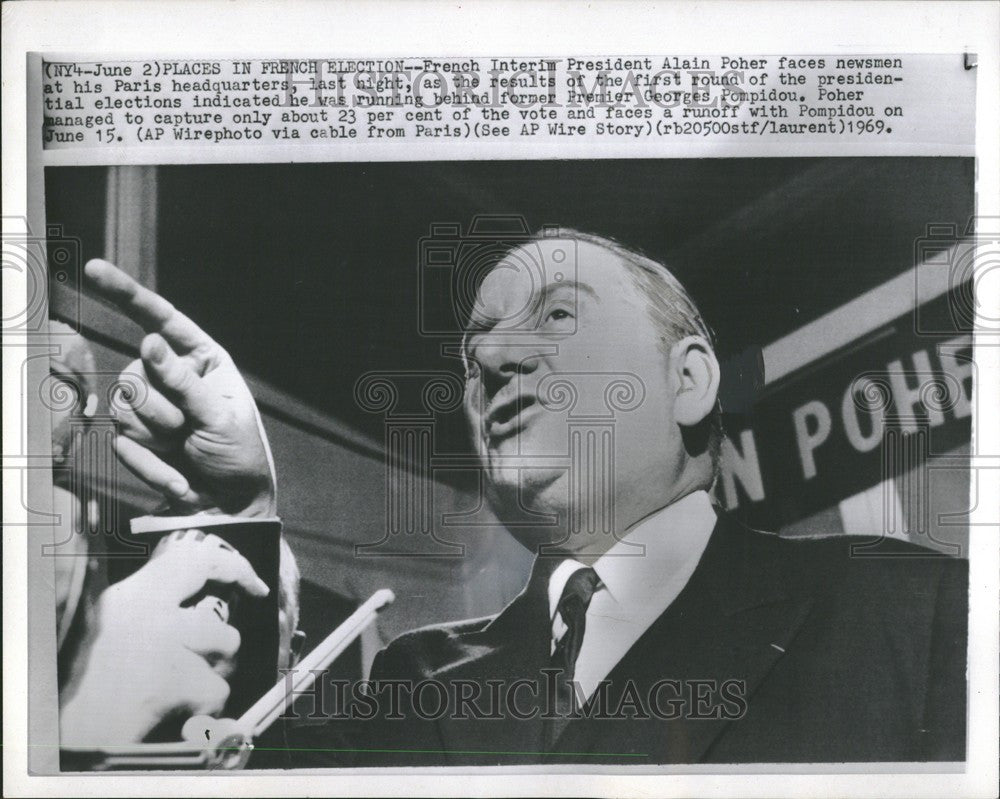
(509, 417)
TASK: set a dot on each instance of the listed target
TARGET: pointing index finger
(147, 308)
(197, 562)
(226, 565)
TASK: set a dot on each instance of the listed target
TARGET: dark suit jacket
(829, 657)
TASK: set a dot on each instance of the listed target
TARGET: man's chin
(521, 486)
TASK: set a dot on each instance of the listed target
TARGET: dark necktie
(573, 604)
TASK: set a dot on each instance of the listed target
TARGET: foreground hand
(147, 658)
(196, 436)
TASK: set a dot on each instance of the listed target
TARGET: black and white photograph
(551, 433)
(564, 416)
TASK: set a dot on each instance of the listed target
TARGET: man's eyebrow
(575, 284)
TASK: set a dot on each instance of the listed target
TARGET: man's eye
(558, 314)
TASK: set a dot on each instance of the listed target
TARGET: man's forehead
(512, 288)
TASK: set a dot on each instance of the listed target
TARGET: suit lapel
(733, 621)
(513, 646)
(742, 647)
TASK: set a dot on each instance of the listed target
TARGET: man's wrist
(265, 506)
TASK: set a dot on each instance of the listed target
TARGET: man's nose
(503, 358)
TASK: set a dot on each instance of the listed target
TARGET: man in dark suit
(685, 637)
(652, 630)
(827, 658)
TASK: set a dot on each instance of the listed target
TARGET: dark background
(307, 273)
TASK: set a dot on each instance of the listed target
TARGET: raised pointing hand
(196, 436)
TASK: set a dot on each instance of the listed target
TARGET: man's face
(557, 324)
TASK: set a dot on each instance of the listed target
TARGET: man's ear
(697, 371)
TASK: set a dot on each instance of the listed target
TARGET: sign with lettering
(834, 428)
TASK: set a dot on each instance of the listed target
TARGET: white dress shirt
(638, 584)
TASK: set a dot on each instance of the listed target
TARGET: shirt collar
(648, 555)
